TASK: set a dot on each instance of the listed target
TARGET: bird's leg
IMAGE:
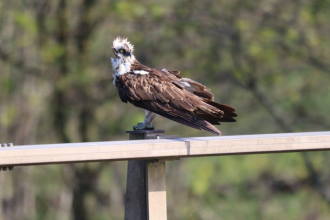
(147, 123)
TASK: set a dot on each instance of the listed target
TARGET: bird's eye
(121, 51)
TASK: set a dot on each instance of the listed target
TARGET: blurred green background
(269, 59)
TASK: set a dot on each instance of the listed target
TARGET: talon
(149, 128)
(142, 126)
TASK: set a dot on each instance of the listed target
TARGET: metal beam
(150, 149)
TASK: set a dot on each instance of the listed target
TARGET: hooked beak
(128, 54)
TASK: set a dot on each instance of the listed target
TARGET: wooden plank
(149, 149)
(157, 207)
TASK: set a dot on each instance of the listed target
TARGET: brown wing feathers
(197, 88)
(165, 95)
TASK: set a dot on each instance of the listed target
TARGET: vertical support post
(136, 203)
(157, 207)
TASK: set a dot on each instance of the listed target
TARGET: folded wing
(179, 99)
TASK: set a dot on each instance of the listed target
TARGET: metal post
(146, 186)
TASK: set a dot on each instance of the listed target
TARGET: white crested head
(122, 43)
(123, 51)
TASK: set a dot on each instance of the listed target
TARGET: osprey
(163, 92)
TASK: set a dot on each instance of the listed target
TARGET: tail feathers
(228, 110)
(227, 116)
(227, 119)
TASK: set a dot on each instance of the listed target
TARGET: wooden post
(146, 183)
(157, 207)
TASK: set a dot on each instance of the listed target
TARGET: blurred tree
(267, 58)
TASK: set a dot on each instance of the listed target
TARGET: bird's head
(123, 49)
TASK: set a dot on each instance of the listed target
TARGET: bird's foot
(143, 126)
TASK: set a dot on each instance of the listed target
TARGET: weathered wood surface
(136, 203)
(157, 207)
(149, 149)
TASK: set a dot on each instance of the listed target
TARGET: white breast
(121, 66)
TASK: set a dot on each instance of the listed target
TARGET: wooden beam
(150, 149)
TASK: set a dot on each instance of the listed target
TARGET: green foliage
(7, 85)
(26, 21)
(51, 52)
(267, 59)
